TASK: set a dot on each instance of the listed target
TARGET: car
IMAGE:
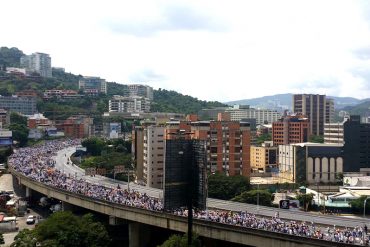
(30, 219)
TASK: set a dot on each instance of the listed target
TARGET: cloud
(146, 75)
(362, 53)
(175, 17)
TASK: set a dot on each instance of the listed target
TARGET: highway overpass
(138, 218)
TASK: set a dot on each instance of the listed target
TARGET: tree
(20, 133)
(265, 198)
(316, 139)
(305, 200)
(16, 118)
(358, 205)
(2, 239)
(181, 241)
(225, 187)
(94, 145)
(65, 229)
(264, 137)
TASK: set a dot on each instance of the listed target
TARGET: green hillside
(9, 57)
(164, 100)
(171, 101)
(362, 109)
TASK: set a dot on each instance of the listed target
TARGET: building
(356, 144)
(27, 93)
(228, 143)
(88, 83)
(129, 104)
(6, 138)
(310, 162)
(23, 105)
(137, 150)
(37, 62)
(263, 158)
(148, 149)
(139, 90)
(334, 132)
(16, 71)
(317, 108)
(290, 129)
(112, 130)
(61, 94)
(154, 154)
(262, 116)
(211, 114)
(185, 173)
(77, 127)
(38, 120)
(4, 118)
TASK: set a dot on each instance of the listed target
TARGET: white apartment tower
(153, 153)
(37, 62)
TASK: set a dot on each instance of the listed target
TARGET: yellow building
(263, 158)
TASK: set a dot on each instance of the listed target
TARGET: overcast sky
(213, 50)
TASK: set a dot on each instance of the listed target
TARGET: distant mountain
(281, 102)
(362, 109)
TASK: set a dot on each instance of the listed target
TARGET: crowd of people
(38, 163)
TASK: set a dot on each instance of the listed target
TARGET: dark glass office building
(185, 174)
(356, 144)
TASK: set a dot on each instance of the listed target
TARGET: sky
(214, 50)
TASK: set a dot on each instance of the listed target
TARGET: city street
(6, 183)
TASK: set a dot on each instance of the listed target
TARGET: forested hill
(9, 57)
(164, 100)
(171, 101)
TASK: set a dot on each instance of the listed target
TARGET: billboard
(184, 174)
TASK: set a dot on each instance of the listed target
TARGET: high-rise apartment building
(133, 104)
(290, 129)
(93, 83)
(356, 144)
(140, 90)
(37, 62)
(334, 132)
(153, 156)
(228, 143)
(148, 149)
(317, 108)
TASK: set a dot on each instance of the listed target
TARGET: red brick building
(290, 129)
(228, 143)
(38, 120)
(77, 127)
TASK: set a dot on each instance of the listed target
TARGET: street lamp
(258, 197)
(365, 205)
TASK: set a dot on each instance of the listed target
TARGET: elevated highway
(212, 230)
(139, 218)
(330, 220)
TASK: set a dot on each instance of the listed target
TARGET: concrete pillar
(28, 192)
(112, 220)
(138, 234)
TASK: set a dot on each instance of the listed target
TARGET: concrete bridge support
(138, 234)
(28, 192)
